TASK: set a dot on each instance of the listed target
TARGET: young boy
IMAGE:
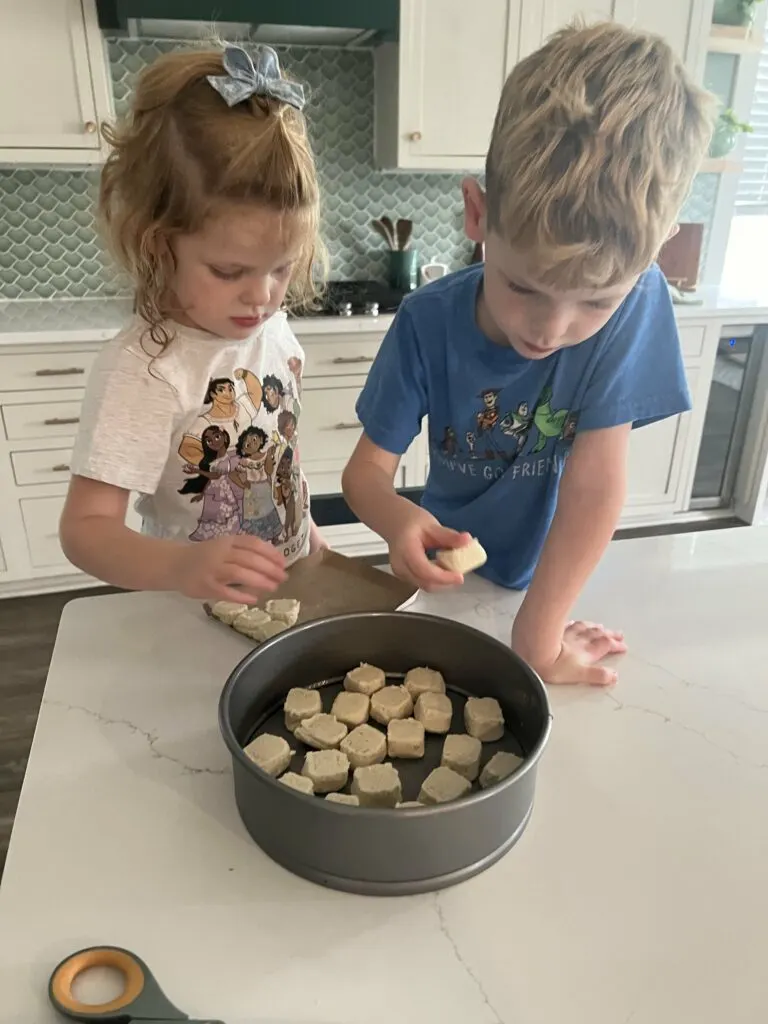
(534, 367)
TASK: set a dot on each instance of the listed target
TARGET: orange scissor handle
(99, 956)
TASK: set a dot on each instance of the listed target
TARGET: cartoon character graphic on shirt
(287, 495)
(487, 420)
(449, 446)
(517, 426)
(549, 422)
(254, 474)
(225, 408)
(211, 482)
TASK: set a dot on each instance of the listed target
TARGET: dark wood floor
(27, 634)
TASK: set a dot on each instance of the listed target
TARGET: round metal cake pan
(374, 851)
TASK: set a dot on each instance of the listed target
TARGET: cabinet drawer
(41, 523)
(339, 356)
(330, 425)
(37, 370)
(692, 340)
(41, 419)
(50, 466)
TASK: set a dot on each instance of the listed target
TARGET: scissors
(141, 1001)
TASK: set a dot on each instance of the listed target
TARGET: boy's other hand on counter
(416, 533)
(583, 647)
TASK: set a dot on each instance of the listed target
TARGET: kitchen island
(638, 894)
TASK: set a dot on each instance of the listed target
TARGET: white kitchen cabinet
(54, 82)
(683, 23)
(438, 88)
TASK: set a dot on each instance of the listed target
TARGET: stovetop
(357, 298)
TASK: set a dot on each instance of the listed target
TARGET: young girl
(210, 202)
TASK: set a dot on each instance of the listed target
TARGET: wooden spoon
(404, 230)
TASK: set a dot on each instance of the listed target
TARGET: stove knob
(345, 309)
(371, 309)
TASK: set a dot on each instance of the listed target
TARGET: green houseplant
(727, 130)
(735, 12)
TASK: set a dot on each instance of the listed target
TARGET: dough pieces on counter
(301, 704)
(364, 746)
(323, 732)
(271, 753)
(284, 609)
(227, 611)
(264, 631)
(434, 711)
(343, 798)
(391, 702)
(500, 767)
(365, 679)
(351, 708)
(405, 738)
(484, 719)
(443, 785)
(328, 770)
(300, 782)
(462, 560)
(462, 753)
(377, 785)
(250, 619)
(423, 680)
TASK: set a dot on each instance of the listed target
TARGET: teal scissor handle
(141, 1001)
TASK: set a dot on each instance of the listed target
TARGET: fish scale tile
(49, 247)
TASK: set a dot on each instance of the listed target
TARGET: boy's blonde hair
(596, 141)
(179, 153)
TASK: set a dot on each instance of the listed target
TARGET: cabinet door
(678, 21)
(47, 98)
(453, 60)
(656, 459)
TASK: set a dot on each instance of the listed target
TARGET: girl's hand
(189, 469)
(583, 646)
(236, 568)
(418, 532)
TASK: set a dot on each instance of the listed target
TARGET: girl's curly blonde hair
(178, 154)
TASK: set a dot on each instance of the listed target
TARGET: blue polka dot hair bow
(244, 79)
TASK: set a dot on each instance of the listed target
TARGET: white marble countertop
(638, 894)
(33, 322)
(25, 321)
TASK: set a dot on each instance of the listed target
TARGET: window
(752, 193)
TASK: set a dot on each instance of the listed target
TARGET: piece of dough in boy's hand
(462, 560)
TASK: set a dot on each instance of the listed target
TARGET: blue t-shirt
(501, 425)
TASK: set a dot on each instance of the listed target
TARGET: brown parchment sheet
(327, 583)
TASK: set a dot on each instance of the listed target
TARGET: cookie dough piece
(364, 746)
(377, 785)
(343, 798)
(250, 619)
(365, 679)
(284, 609)
(500, 767)
(410, 803)
(443, 785)
(423, 680)
(462, 560)
(300, 782)
(301, 704)
(328, 769)
(391, 702)
(484, 719)
(434, 711)
(264, 631)
(323, 732)
(462, 754)
(351, 708)
(405, 738)
(227, 611)
(271, 753)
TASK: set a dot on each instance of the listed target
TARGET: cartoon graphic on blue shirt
(501, 426)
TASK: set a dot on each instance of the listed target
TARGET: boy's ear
(474, 210)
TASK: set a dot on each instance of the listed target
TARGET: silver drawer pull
(61, 421)
(61, 467)
(67, 371)
(348, 426)
(346, 360)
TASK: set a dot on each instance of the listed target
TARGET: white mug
(433, 271)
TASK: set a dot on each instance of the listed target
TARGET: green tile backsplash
(49, 247)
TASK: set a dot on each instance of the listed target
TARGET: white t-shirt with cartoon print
(205, 431)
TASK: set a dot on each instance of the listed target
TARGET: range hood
(298, 22)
